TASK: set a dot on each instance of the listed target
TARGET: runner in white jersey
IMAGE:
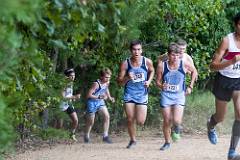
(227, 86)
(68, 97)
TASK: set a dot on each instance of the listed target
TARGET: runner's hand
(236, 58)
(131, 75)
(146, 84)
(164, 86)
(112, 99)
(105, 97)
(188, 91)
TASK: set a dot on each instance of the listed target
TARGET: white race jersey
(232, 71)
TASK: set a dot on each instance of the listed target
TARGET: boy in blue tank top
(171, 81)
(136, 74)
(96, 97)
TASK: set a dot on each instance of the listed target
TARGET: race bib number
(236, 66)
(172, 88)
(139, 77)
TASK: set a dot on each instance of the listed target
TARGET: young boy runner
(68, 97)
(136, 74)
(96, 96)
(171, 80)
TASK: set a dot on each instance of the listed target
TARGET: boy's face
(136, 50)
(182, 50)
(106, 78)
(71, 76)
(174, 57)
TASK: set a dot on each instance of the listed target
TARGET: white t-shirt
(68, 92)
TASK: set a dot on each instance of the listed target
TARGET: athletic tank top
(174, 78)
(101, 90)
(232, 71)
(68, 92)
(134, 89)
(175, 92)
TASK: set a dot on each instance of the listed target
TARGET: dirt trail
(147, 148)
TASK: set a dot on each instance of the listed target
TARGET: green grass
(52, 133)
(199, 107)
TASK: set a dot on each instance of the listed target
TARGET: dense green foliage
(41, 38)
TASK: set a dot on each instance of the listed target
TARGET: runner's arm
(92, 90)
(122, 76)
(189, 68)
(217, 63)
(151, 72)
(159, 73)
(109, 96)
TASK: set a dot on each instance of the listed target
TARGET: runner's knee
(90, 121)
(141, 122)
(219, 119)
(75, 121)
(177, 121)
(106, 117)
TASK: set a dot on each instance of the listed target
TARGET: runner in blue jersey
(136, 74)
(227, 86)
(171, 80)
(96, 96)
(68, 97)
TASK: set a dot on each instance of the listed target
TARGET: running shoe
(131, 144)
(73, 137)
(165, 146)
(175, 136)
(212, 134)
(107, 140)
(232, 155)
(86, 139)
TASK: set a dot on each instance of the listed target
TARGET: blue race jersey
(134, 90)
(175, 92)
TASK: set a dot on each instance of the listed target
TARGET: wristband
(99, 97)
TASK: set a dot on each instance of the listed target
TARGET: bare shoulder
(187, 57)
(123, 64)
(221, 50)
(94, 84)
(148, 60)
(224, 43)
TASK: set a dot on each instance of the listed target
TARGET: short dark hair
(181, 42)
(68, 71)
(236, 18)
(173, 47)
(105, 71)
(133, 43)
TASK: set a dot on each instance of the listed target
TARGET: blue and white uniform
(135, 91)
(68, 92)
(93, 105)
(175, 92)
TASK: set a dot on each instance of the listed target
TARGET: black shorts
(70, 110)
(224, 86)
